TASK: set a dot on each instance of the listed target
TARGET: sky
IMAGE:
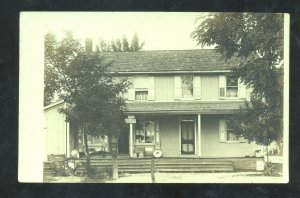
(159, 30)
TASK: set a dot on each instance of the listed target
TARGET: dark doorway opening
(187, 137)
(123, 142)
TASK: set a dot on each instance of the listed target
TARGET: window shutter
(222, 130)
(242, 90)
(197, 87)
(222, 87)
(131, 90)
(177, 87)
(151, 93)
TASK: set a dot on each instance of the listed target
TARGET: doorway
(187, 137)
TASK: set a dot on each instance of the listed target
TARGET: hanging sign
(130, 120)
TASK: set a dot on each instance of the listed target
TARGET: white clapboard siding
(177, 87)
(164, 88)
(222, 87)
(141, 82)
(151, 84)
(131, 90)
(197, 87)
(242, 92)
(222, 130)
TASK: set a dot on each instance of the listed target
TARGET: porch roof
(222, 107)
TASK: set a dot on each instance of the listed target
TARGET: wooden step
(140, 165)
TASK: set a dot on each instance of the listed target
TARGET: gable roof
(169, 60)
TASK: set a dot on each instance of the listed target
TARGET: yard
(229, 177)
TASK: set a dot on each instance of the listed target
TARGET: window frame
(141, 90)
(183, 87)
(238, 138)
(230, 86)
(144, 133)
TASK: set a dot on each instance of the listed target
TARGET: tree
(57, 55)
(94, 98)
(118, 46)
(257, 40)
(113, 46)
(125, 44)
(103, 46)
(135, 44)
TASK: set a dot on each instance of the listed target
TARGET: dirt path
(241, 177)
(235, 177)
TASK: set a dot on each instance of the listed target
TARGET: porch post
(130, 120)
(130, 139)
(199, 134)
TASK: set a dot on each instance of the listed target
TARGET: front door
(187, 137)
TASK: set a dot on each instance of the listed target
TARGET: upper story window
(141, 95)
(187, 86)
(231, 87)
(228, 87)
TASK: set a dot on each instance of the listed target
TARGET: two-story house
(178, 103)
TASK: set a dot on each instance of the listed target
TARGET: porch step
(48, 170)
(202, 169)
(163, 165)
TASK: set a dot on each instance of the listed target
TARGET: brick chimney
(88, 45)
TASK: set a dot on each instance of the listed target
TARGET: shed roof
(169, 60)
(185, 107)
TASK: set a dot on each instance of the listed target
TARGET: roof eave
(171, 72)
(53, 104)
(227, 111)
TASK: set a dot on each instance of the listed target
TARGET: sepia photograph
(154, 97)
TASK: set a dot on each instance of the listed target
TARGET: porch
(169, 164)
(183, 135)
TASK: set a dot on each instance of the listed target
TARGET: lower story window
(144, 131)
(232, 137)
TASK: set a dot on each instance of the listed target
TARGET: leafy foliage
(121, 46)
(125, 44)
(82, 80)
(57, 56)
(257, 39)
(135, 44)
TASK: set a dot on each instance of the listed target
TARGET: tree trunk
(115, 174)
(113, 151)
(88, 160)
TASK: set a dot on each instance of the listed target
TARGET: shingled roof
(187, 107)
(168, 60)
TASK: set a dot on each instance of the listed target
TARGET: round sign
(157, 153)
